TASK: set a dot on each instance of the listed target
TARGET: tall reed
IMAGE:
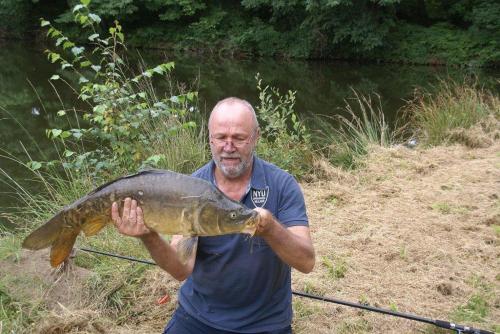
(350, 139)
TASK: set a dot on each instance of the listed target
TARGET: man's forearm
(165, 256)
(295, 250)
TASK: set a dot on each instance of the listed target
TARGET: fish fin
(143, 172)
(186, 247)
(93, 225)
(45, 235)
(61, 248)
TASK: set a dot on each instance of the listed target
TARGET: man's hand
(266, 222)
(131, 222)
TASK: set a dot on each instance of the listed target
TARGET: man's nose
(228, 146)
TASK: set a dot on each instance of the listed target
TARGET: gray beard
(234, 172)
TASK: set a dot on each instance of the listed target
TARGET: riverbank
(415, 230)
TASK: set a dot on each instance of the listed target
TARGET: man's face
(233, 136)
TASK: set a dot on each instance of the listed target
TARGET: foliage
(285, 140)
(126, 113)
(454, 106)
(365, 126)
(453, 32)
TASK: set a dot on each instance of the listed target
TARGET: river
(28, 102)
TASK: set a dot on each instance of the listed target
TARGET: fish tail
(45, 235)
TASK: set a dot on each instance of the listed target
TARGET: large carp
(172, 203)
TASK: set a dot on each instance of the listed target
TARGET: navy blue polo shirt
(238, 282)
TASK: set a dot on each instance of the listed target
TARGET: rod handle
(463, 329)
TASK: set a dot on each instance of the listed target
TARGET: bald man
(236, 284)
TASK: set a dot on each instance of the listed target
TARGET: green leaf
(77, 50)
(96, 68)
(65, 134)
(60, 40)
(54, 77)
(77, 135)
(34, 165)
(68, 44)
(82, 80)
(85, 63)
(44, 23)
(65, 65)
(68, 153)
(56, 132)
(95, 18)
(85, 2)
(93, 36)
(53, 57)
(61, 113)
(78, 7)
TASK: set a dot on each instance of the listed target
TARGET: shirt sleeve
(292, 207)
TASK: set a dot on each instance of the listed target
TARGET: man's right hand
(131, 222)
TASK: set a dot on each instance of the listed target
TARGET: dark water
(28, 102)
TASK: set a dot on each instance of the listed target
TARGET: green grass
(336, 267)
(365, 126)
(454, 106)
(475, 309)
(354, 326)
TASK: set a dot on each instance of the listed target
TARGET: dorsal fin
(142, 172)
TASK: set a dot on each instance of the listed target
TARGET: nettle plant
(120, 103)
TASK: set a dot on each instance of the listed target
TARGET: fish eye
(232, 215)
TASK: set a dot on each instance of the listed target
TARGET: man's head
(233, 131)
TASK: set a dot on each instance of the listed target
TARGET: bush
(285, 140)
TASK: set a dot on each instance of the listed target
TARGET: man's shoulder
(204, 172)
(275, 171)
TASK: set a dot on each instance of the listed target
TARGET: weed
(443, 208)
(403, 253)
(352, 139)
(363, 299)
(496, 230)
(285, 140)
(476, 309)
(312, 289)
(356, 326)
(10, 246)
(336, 268)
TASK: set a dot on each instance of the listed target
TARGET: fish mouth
(251, 223)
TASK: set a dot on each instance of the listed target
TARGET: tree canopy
(464, 32)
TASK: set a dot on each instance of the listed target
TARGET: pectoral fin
(93, 225)
(61, 248)
(186, 247)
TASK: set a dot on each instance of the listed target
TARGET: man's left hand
(266, 222)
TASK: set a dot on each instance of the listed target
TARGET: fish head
(227, 216)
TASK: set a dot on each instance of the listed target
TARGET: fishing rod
(439, 323)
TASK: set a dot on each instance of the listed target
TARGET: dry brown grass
(414, 228)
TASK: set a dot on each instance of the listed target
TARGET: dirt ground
(414, 231)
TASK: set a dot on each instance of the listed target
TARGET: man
(236, 284)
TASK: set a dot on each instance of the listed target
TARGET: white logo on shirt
(259, 197)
